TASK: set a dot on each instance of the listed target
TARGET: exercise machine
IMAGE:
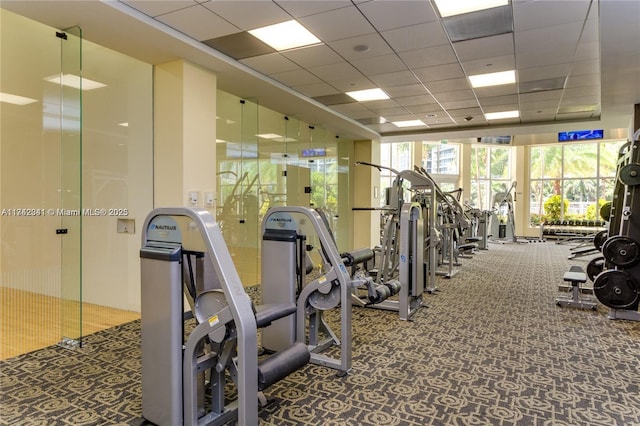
(185, 369)
(618, 285)
(291, 238)
(502, 224)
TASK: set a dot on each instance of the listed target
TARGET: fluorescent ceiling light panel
(409, 123)
(15, 99)
(502, 114)
(71, 80)
(285, 35)
(492, 79)
(458, 7)
(368, 95)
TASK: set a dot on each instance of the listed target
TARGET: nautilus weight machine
(291, 236)
(184, 248)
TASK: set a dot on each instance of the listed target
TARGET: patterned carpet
(492, 348)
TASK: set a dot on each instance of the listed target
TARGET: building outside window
(490, 174)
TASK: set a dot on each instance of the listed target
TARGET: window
(490, 174)
(571, 182)
(397, 156)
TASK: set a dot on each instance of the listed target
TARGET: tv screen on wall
(577, 135)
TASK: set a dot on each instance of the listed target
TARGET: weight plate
(616, 289)
(605, 211)
(630, 174)
(595, 267)
(599, 239)
(621, 251)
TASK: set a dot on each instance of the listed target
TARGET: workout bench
(576, 277)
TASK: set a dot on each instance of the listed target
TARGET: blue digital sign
(577, 135)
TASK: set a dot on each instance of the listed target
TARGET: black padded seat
(281, 364)
(266, 314)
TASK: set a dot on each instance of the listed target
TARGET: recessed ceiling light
(492, 79)
(285, 35)
(409, 123)
(15, 99)
(458, 7)
(71, 80)
(502, 114)
(123, 124)
(368, 95)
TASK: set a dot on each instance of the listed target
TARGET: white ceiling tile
(270, 63)
(539, 105)
(386, 15)
(393, 112)
(544, 72)
(498, 108)
(589, 50)
(465, 112)
(540, 58)
(354, 110)
(456, 95)
(469, 103)
(502, 90)
(299, 8)
(313, 56)
(576, 116)
(316, 89)
(490, 64)
(337, 24)
(429, 56)
(416, 99)
(440, 72)
(583, 80)
(335, 71)
(198, 22)
(428, 109)
(346, 46)
(382, 64)
(499, 100)
(156, 8)
(351, 84)
(538, 115)
(591, 66)
(539, 14)
(416, 36)
(480, 48)
(560, 40)
(393, 79)
(449, 85)
(549, 95)
(296, 78)
(404, 90)
(263, 13)
(581, 100)
(585, 91)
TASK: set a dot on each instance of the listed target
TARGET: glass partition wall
(75, 141)
(267, 159)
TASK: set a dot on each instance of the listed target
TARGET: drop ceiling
(575, 61)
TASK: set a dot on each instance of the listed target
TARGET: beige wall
(185, 134)
(367, 193)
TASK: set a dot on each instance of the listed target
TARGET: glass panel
(580, 160)
(29, 179)
(71, 187)
(401, 156)
(479, 162)
(440, 158)
(500, 164)
(551, 161)
(609, 158)
(580, 193)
